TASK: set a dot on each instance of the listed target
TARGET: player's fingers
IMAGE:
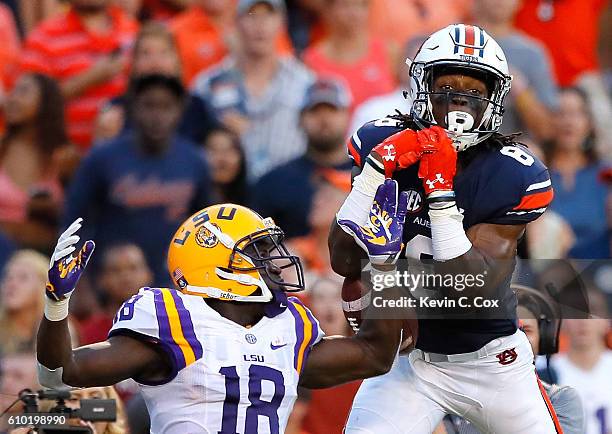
(423, 167)
(381, 194)
(62, 244)
(407, 159)
(391, 196)
(86, 251)
(402, 206)
(63, 253)
(75, 226)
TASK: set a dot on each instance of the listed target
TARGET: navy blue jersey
(500, 183)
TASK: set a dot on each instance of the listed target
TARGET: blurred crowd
(134, 113)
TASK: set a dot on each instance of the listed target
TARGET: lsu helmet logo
(205, 238)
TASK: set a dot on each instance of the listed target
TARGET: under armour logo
(507, 357)
(431, 183)
(390, 153)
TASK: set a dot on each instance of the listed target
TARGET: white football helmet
(460, 47)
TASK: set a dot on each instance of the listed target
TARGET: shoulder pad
(159, 315)
(523, 184)
(307, 329)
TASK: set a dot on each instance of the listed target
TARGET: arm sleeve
(158, 316)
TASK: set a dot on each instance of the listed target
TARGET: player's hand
(65, 270)
(403, 149)
(437, 169)
(381, 236)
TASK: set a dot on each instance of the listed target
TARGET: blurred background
(135, 113)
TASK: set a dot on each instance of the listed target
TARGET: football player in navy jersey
(471, 193)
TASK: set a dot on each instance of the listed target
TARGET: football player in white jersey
(226, 352)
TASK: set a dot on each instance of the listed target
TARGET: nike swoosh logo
(276, 347)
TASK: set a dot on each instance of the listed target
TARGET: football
(356, 297)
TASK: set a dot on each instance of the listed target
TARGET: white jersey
(226, 378)
(594, 387)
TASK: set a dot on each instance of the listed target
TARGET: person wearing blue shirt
(285, 193)
(141, 185)
(580, 195)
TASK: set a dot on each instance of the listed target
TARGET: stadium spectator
(123, 271)
(575, 58)
(85, 49)
(551, 21)
(9, 51)
(34, 158)
(18, 373)
(403, 20)
(163, 10)
(31, 13)
(380, 106)
(119, 426)
(131, 7)
(587, 366)
(365, 60)
(258, 93)
(206, 33)
(21, 300)
(227, 165)
(155, 53)
(140, 186)
(286, 193)
(580, 195)
(331, 190)
(305, 22)
(533, 97)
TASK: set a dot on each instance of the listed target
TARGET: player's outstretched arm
(99, 364)
(336, 359)
(371, 352)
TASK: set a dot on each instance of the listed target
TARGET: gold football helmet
(224, 251)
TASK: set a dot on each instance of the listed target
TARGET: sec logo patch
(415, 201)
(206, 238)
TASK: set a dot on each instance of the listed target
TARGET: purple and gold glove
(381, 235)
(65, 270)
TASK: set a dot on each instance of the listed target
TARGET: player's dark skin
(334, 360)
(493, 246)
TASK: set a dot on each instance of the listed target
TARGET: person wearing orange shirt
(350, 52)
(85, 50)
(205, 34)
(570, 29)
(403, 20)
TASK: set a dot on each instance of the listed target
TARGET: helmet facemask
(464, 128)
(264, 250)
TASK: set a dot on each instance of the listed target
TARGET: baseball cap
(245, 5)
(327, 91)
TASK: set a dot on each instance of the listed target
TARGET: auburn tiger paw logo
(507, 357)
